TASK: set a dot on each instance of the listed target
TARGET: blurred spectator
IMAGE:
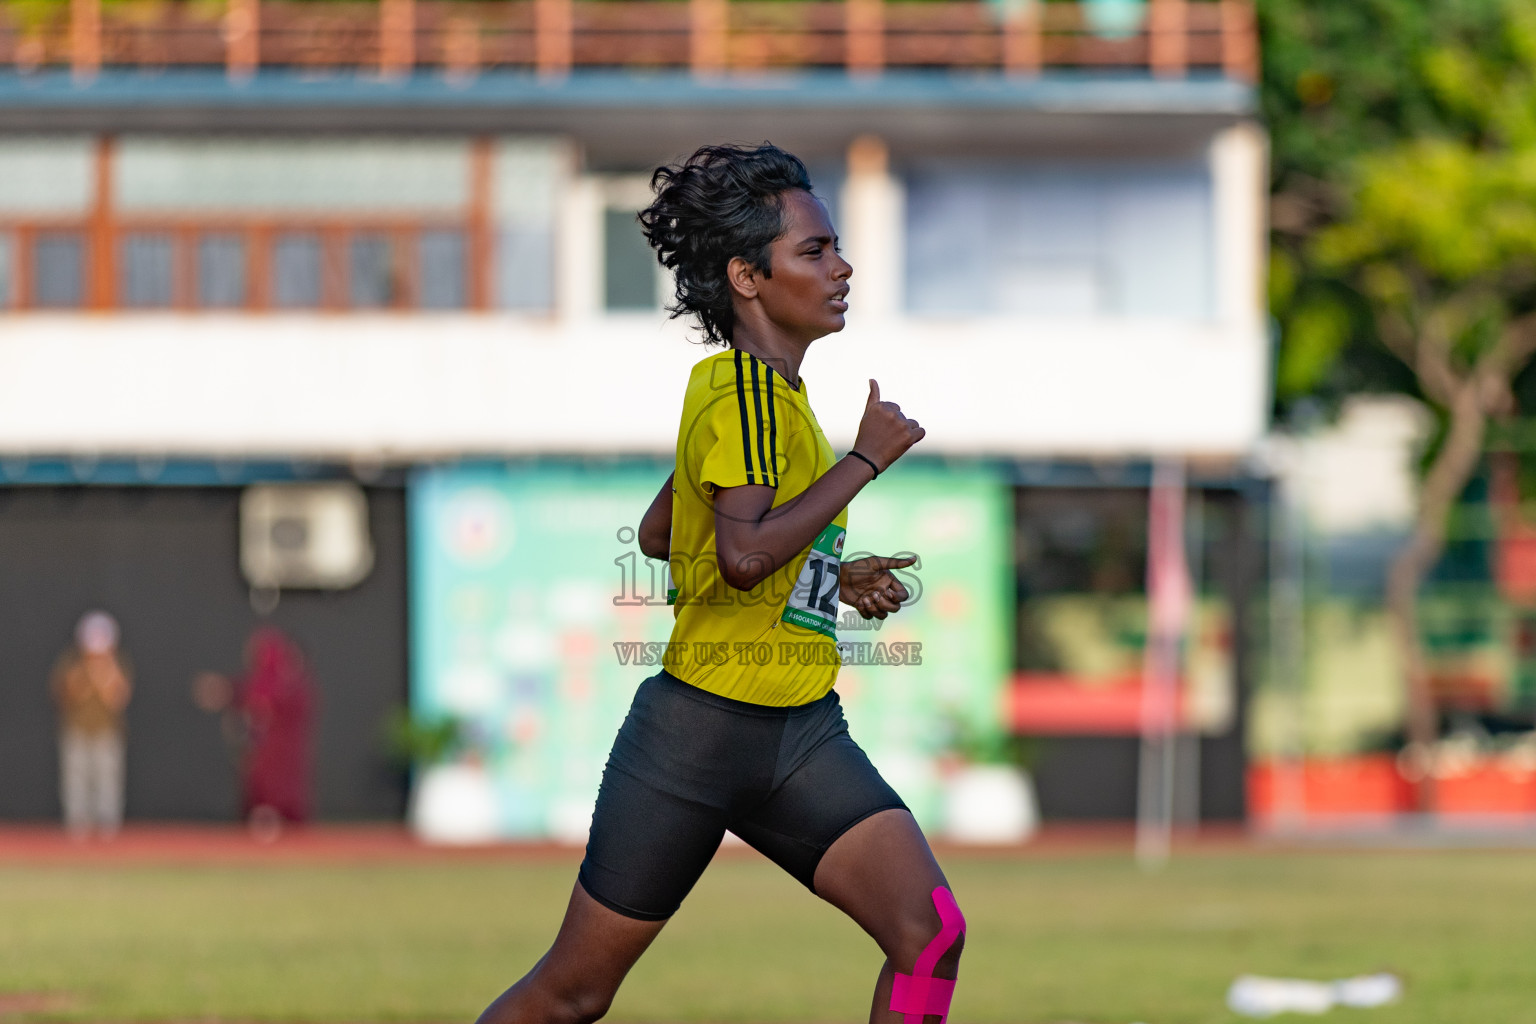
(274, 707)
(91, 686)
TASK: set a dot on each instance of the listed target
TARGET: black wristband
(865, 459)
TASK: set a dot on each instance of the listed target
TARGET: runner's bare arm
(655, 532)
(753, 539)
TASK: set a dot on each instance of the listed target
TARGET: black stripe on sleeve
(741, 401)
(757, 405)
(773, 431)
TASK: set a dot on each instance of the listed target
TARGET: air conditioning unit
(305, 536)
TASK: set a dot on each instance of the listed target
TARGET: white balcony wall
(1175, 361)
(440, 386)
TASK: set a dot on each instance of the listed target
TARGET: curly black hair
(723, 201)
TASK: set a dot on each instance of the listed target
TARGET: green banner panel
(530, 603)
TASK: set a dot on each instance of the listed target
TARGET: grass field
(1057, 938)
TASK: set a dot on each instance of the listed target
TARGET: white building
(240, 266)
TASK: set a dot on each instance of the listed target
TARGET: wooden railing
(361, 263)
(710, 37)
(106, 257)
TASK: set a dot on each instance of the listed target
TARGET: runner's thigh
(829, 786)
(665, 800)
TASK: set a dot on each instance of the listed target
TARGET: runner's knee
(583, 1006)
(951, 959)
(927, 991)
(567, 1001)
(922, 928)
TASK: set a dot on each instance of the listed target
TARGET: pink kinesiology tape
(918, 994)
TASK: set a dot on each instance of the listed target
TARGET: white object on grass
(1368, 990)
(1254, 996)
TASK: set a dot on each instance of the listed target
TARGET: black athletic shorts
(688, 764)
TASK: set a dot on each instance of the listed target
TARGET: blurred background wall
(161, 559)
(392, 246)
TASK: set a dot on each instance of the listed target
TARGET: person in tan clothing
(91, 686)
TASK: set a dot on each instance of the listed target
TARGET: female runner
(742, 730)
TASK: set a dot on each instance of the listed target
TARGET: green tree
(1405, 232)
(1342, 81)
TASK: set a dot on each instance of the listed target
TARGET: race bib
(812, 603)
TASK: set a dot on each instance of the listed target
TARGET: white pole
(1186, 786)
(1287, 644)
(1168, 600)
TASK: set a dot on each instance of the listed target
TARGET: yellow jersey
(775, 644)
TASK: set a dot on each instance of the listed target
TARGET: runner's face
(808, 292)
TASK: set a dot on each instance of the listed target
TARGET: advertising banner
(532, 608)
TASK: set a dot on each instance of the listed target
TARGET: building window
(146, 271)
(296, 269)
(525, 267)
(221, 271)
(441, 256)
(372, 272)
(529, 178)
(629, 267)
(1060, 241)
(58, 269)
(370, 265)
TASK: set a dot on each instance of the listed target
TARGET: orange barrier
(1045, 704)
(1373, 785)
(1368, 784)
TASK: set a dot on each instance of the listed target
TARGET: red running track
(392, 843)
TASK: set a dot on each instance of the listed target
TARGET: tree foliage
(1375, 106)
(1405, 223)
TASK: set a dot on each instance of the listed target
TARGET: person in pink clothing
(274, 704)
(277, 698)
